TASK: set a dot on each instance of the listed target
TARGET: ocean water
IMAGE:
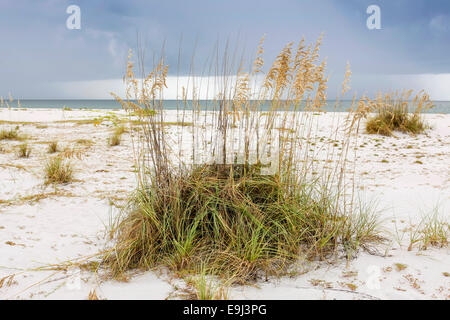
(440, 106)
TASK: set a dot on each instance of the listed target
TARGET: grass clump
(58, 171)
(241, 224)
(205, 287)
(114, 140)
(433, 230)
(241, 201)
(116, 137)
(392, 113)
(24, 151)
(10, 134)
(86, 142)
(53, 147)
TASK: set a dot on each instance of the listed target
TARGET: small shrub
(24, 151)
(58, 170)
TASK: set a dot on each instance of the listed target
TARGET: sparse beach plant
(241, 200)
(24, 151)
(116, 136)
(394, 112)
(58, 171)
(72, 152)
(433, 230)
(10, 134)
(53, 147)
(114, 140)
(92, 295)
(203, 286)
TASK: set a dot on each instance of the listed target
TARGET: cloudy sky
(41, 58)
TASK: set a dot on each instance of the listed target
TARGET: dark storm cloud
(37, 49)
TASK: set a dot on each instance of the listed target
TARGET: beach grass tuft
(433, 230)
(53, 147)
(58, 171)
(114, 140)
(393, 113)
(24, 151)
(11, 134)
(243, 201)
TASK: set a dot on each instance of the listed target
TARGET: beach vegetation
(114, 140)
(11, 134)
(53, 147)
(396, 112)
(432, 231)
(58, 171)
(241, 201)
(24, 151)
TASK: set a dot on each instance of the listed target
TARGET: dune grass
(116, 137)
(202, 286)
(393, 113)
(24, 151)
(242, 202)
(432, 231)
(11, 134)
(53, 147)
(241, 225)
(114, 140)
(58, 171)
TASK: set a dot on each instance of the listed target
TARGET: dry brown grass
(24, 151)
(114, 140)
(52, 147)
(392, 113)
(10, 134)
(93, 295)
(58, 171)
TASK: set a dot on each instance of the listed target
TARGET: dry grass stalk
(92, 295)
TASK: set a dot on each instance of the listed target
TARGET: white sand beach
(406, 176)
